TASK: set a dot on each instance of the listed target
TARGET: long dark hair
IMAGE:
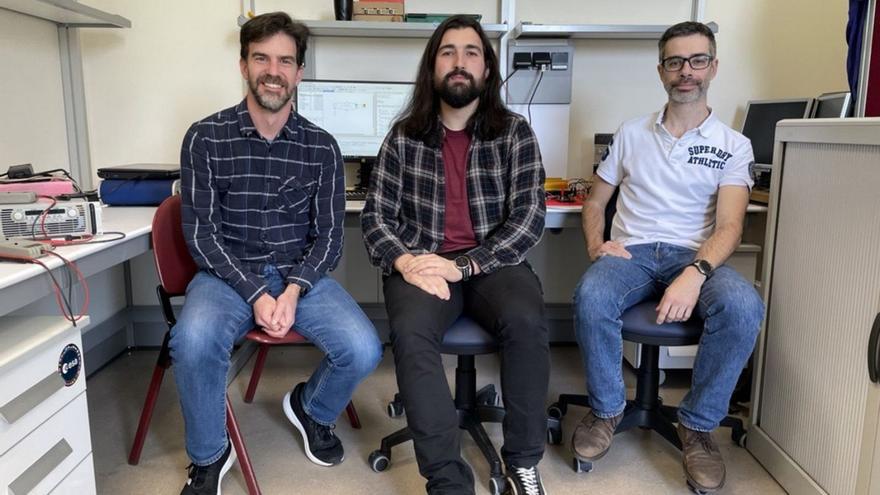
(419, 118)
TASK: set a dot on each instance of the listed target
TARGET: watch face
(462, 261)
(703, 266)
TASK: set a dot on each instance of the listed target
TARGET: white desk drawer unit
(45, 444)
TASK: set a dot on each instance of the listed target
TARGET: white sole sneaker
(288, 411)
(226, 466)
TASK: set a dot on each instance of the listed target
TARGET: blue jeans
(215, 317)
(729, 306)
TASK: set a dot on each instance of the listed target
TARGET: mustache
(270, 79)
(686, 80)
(458, 72)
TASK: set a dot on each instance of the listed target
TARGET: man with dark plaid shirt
(455, 202)
(262, 209)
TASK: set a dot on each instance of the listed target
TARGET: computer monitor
(759, 124)
(357, 113)
(832, 105)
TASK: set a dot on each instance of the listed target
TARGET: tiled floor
(639, 462)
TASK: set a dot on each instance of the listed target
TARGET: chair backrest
(173, 262)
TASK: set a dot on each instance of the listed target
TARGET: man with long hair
(683, 179)
(262, 209)
(455, 202)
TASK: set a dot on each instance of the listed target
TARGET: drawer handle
(31, 398)
(38, 471)
(874, 351)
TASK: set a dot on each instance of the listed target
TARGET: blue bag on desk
(137, 192)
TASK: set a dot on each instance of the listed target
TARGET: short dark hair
(419, 118)
(267, 25)
(687, 28)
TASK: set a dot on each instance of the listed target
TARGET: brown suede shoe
(592, 437)
(703, 465)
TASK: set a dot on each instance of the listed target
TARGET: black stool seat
(467, 338)
(640, 326)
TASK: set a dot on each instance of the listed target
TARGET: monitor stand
(365, 169)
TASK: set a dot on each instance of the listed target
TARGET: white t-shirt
(668, 186)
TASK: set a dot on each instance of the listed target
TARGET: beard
(270, 101)
(459, 94)
(677, 96)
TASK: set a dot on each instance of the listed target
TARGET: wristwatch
(463, 263)
(703, 267)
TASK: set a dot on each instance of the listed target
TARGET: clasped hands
(679, 299)
(276, 315)
(429, 272)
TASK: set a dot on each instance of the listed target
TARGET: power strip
(23, 249)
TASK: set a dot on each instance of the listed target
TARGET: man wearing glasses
(683, 179)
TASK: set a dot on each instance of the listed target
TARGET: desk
(22, 284)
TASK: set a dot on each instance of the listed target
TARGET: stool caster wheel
(487, 396)
(497, 485)
(379, 461)
(556, 410)
(395, 407)
(580, 466)
(554, 431)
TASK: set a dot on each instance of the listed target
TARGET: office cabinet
(45, 442)
(816, 408)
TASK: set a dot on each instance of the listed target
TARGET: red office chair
(176, 268)
(264, 340)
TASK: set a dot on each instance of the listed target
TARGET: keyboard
(356, 195)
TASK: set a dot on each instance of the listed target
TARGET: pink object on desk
(52, 187)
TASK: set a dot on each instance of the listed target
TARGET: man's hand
(680, 297)
(432, 284)
(264, 308)
(610, 248)
(285, 312)
(431, 264)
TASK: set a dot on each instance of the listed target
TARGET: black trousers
(508, 303)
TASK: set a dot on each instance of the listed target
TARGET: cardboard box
(378, 8)
(377, 18)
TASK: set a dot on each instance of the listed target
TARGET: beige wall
(32, 128)
(178, 63)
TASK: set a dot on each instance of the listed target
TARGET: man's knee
(363, 353)
(195, 344)
(740, 310)
(594, 300)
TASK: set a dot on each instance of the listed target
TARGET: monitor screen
(358, 114)
(760, 123)
(832, 105)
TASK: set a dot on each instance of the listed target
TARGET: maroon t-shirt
(458, 232)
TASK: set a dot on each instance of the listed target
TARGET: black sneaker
(205, 480)
(524, 481)
(322, 446)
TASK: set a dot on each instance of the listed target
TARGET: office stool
(465, 339)
(647, 410)
(265, 341)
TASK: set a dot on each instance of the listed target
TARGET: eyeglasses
(697, 62)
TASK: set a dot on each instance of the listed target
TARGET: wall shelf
(66, 13)
(593, 31)
(370, 29)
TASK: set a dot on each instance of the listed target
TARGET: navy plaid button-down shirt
(405, 205)
(248, 202)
